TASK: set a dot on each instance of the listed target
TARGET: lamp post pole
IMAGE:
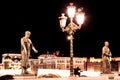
(71, 55)
(71, 28)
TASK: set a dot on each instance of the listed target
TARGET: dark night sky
(41, 18)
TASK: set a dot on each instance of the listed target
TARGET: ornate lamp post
(71, 27)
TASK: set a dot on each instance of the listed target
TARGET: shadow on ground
(49, 76)
(6, 77)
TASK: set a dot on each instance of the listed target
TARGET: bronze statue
(106, 58)
(26, 45)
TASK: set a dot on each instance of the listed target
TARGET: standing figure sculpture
(106, 58)
(26, 45)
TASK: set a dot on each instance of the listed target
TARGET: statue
(106, 58)
(26, 45)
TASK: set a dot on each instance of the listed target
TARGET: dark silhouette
(77, 71)
(6, 77)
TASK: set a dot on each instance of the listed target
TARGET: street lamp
(71, 27)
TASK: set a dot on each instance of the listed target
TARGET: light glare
(80, 18)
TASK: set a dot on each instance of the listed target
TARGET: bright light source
(69, 37)
(80, 16)
(71, 10)
(62, 20)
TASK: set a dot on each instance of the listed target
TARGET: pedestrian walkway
(105, 77)
(17, 76)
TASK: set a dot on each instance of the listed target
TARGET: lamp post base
(71, 67)
(71, 74)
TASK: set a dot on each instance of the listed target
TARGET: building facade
(50, 61)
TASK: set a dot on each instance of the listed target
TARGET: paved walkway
(114, 76)
(68, 78)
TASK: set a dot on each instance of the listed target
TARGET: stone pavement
(68, 78)
(90, 76)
